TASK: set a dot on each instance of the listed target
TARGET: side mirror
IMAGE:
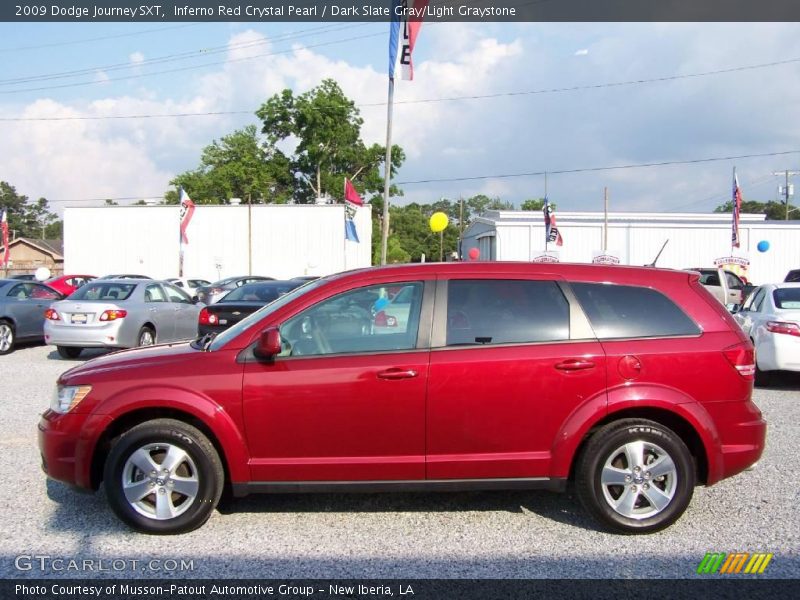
(269, 344)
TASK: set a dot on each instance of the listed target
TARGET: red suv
(635, 383)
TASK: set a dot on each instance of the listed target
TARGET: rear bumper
(103, 336)
(779, 353)
(742, 436)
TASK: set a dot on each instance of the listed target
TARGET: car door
(26, 305)
(748, 317)
(159, 312)
(341, 403)
(184, 312)
(509, 363)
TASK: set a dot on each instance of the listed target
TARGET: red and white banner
(187, 210)
(4, 225)
(407, 17)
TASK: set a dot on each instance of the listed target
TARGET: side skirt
(435, 485)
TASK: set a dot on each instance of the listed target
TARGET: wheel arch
(229, 446)
(678, 423)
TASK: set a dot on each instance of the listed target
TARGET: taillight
(743, 359)
(51, 314)
(113, 315)
(384, 320)
(781, 327)
(208, 318)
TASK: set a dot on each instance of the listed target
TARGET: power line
(509, 175)
(97, 39)
(197, 53)
(426, 100)
(597, 169)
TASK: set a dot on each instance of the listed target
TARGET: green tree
(28, 218)
(532, 204)
(326, 126)
(240, 165)
(775, 211)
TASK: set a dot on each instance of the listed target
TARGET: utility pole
(786, 175)
(605, 219)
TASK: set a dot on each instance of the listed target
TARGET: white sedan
(771, 318)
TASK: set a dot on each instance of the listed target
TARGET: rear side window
(497, 311)
(623, 311)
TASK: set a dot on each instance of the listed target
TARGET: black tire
(639, 511)
(146, 336)
(199, 466)
(8, 337)
(69, 351)
(764, 378)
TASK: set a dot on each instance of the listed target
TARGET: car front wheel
(635, 476)
(163, 477)
(6, 337)
(69, 351)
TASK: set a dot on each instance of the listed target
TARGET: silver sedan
(22, 304)
(120, 313)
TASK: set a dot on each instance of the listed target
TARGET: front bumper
(66, 444)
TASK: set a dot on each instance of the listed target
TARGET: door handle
(574, 364)
(397, 374)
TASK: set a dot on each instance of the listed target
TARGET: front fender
(211, 413)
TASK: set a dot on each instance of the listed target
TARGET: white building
(695, 240)
(275, 240)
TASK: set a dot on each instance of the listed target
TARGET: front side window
(624, 311)
(754, 302)
(176, 295)
(378, 318)
(505, 311)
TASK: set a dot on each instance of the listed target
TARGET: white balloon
(42, 274)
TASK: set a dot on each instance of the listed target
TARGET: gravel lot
(455, 535)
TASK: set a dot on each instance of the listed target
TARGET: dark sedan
(240, 303)
(22, 306)
(209, 294)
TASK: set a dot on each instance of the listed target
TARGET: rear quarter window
(623, 311)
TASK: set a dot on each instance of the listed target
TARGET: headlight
(67, 397)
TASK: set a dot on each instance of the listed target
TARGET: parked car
(120, 313)
(66, 284)
(22, 304)
(209, 294)
(771, 318)
(792, 276)
(724, 285)
(240, 303)
(630, 380)
(24, 277)
(188, 285)
(125, 276)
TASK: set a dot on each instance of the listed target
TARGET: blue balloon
(763, 246)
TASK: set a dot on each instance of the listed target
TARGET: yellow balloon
(439, 222)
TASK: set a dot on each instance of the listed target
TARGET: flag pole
(344, 212)
(547, 216)
(387, 173)
(733, 209)
(180, 234)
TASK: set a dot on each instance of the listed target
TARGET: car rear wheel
(163, 477)
(69, 351)
(147, 336)
(7, 337)
(635, 476)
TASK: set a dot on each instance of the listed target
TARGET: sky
(559, 100)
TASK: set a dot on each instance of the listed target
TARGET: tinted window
(621, 311)
(355, 321)
(787, 298)
(258, 292)
(793, 276)
(25, 291)
(103, 291)
(504, 311)
(176, 295)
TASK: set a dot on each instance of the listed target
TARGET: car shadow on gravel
(783, 381)
(84, 356)
(563, 508)
(75, 510)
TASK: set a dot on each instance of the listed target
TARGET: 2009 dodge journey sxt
(634, 383)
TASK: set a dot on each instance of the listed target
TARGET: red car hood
(135, 357)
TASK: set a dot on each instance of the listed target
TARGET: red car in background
(66, 284)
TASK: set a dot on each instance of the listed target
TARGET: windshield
(227, 335)
(259, 292)
(103, 291)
